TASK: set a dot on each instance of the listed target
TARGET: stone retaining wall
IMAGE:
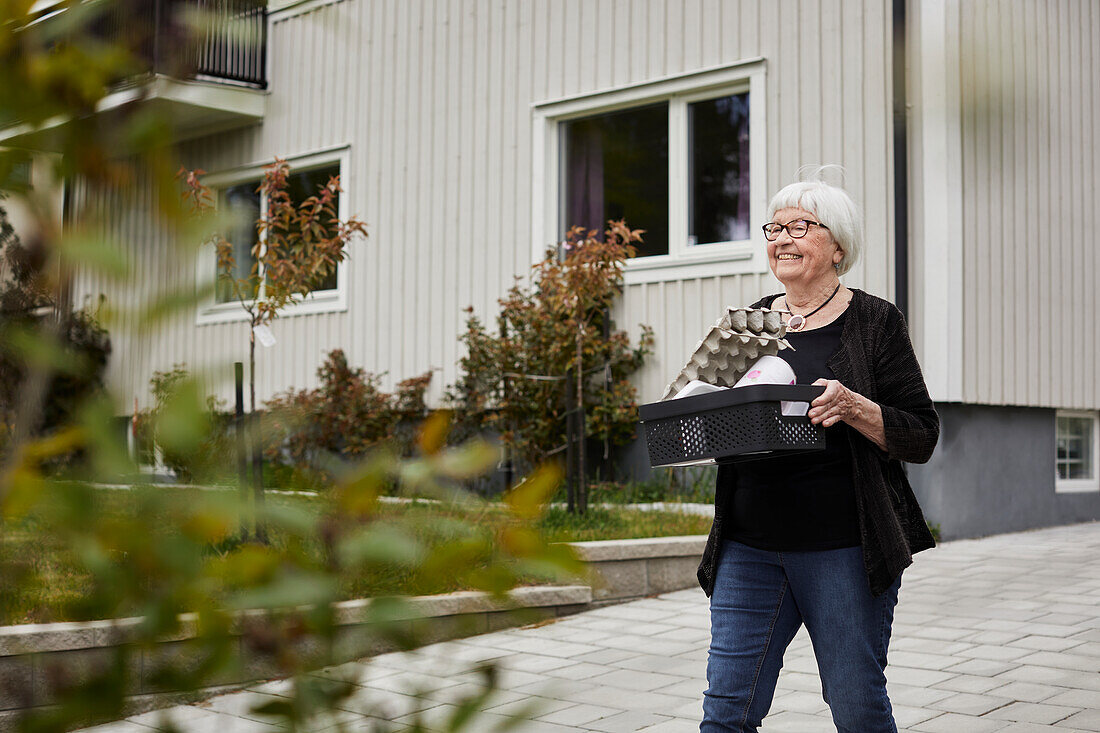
(644, 567)
(37, 658)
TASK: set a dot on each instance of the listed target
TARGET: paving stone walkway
(997, 634)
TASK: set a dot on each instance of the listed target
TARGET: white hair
(831, 205)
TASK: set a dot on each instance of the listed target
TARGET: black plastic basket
(730, 425)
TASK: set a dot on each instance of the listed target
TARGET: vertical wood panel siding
(1029, 75)
(434, 100)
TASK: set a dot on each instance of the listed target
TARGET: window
(239, 194)
(1076, 440)
(681, 158)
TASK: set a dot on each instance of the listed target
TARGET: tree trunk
(582, 480)
(570, 445)
(257, 444)
(242, 448)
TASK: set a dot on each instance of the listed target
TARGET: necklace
(797, 322)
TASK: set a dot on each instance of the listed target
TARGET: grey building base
(993, 472)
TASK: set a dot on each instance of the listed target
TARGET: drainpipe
(901, 164)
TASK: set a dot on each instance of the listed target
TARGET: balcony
(202, 63)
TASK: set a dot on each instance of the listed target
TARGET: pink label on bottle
(754, 374)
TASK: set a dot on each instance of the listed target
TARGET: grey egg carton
(737, 339)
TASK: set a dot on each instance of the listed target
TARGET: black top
(876, 360)
(801, 501)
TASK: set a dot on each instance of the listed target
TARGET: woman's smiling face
(805, 260)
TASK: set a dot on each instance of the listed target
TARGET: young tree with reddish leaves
(299, 245)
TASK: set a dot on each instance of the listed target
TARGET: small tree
(556, 353)
(299, 245)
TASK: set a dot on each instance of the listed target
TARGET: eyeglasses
(797, 229)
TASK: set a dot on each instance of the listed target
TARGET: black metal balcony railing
(218, 39)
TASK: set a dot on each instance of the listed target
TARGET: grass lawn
(43, 579)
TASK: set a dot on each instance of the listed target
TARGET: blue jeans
(761, 599)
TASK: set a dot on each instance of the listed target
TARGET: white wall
(1007, 142)
(434, 99)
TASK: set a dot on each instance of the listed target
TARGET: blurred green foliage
(165, 554)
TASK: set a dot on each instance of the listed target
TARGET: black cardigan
(876, 360)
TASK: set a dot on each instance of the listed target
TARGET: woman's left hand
(837, 403)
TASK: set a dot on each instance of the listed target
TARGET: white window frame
(325, 301)
(683, 260)
(1079, 485)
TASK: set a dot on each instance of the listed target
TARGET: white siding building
(464, 131)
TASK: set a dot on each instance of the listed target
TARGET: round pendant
(796, 323)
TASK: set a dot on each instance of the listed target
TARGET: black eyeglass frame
(786, 226)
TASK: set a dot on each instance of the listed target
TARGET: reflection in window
(243, 204)
(617, 168)
(718, 180)
(1075, 445)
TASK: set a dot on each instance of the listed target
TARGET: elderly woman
(821, 538)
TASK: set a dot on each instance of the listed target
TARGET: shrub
(344, 417)
(28, 312)
(513, 383)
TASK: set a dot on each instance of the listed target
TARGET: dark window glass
(616, 167)
(303, 184)
(243, 203)
(718, 180)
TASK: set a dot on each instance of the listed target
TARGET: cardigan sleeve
(909, 418)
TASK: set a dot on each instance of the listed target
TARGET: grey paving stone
(1032, 712)
(1026, 692)
(674, 725)
(630, 679)
(1084, 720)
(580, 714)
(119, 726)
(789, 722)
(918, 677)
(970, 683)
(579, 671)
(987, 667)
(906, 716)
(956, 723)
(528, 707)
(799, 702)
(917, 696)
(1074, 698)
(627, 722)
(1063, 660)
(970, 704)
(1046, 643)
(921, 660)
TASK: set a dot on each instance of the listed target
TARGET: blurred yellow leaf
(249, 565)
(528, 499)
(208, 525)
(59, 443)
(24, 488)
(433, 432)
(520, 541)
